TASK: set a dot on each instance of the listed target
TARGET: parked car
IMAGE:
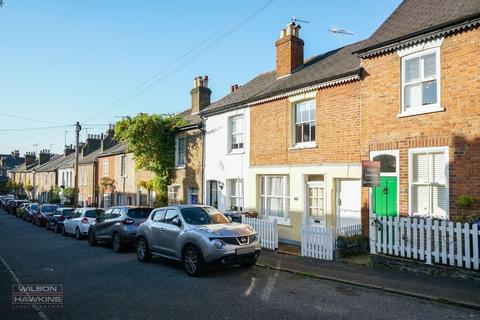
(118, 225)
(199, 236)
(13, 205)
(9, 204)
(5, 201)
(29, 211)
(80, 221)
(21, 208)
(43, 214)
(55, 222)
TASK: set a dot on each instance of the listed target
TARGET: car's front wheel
(92, 240)
(193, 261)
(143, 253)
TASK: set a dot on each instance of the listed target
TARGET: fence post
(373, 234)
(428, 252)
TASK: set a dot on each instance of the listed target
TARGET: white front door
(348, 202)
(316, 203)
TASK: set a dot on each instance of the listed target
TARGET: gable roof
(415, 17)
(332, 65)
(10, 161)
(120, 148)
(55, 163)
(23, 168)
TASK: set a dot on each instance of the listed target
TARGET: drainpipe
(201, 127)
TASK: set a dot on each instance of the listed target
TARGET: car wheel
(78, 235)
(57, 229)
(116, 242)
(92, 241)
(193, 261)
(143, 253)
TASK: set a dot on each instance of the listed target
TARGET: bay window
(429, 182)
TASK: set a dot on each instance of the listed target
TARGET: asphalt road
(100, 284)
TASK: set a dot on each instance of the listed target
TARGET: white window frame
(105, 167)
(285, 220)
(179, 156)
(239, 196)
(411, 153)
(307, 144)
(417, 110)
(191, 192)
(231, 134)
(173, 190)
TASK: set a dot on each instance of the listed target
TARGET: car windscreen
(34, 207)
(139, 213)
(67, 212)
(199, 216)
(45, 209)
(93, 213)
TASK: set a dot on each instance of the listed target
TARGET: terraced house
(286, 144)
(420, 101)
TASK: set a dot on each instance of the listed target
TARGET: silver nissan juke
(199, 236)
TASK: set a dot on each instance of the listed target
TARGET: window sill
(282, 221)
(236, 151)
(303, 146)
(420, 111)
(180, 167)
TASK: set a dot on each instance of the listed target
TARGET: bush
(465, 202)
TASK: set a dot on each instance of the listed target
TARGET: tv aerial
(341, 32)
(294, 20)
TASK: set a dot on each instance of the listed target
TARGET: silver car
(199, 236)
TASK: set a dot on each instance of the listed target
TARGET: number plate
(247, 250)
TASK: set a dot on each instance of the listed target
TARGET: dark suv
(118, 225)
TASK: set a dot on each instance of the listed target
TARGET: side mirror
(176, 221)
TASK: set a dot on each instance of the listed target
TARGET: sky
(94, 61)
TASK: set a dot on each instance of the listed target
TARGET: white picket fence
(266, 229)
(319, 242)
(432, 241)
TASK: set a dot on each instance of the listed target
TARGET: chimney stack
(94, 141)
(107, 140)
(68, 150)
(30, 158)
(289, 50)
(44, 156)
(200, 94)
(16, 154)
(234, 88)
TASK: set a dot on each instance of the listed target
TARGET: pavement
(100, 284)
(456, 291)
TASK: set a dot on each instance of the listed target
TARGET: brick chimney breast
(44, 156)
(289, 50)
(30, 158)
(200, 94)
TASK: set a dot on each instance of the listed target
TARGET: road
(100, 284)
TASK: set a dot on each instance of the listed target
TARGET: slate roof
(116, 149)
(325, 67)
(189, 117)
(55, 163)
(21, 168)
(414, 17)
(91, 157)
(9, 161)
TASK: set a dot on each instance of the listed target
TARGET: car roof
(182, 206)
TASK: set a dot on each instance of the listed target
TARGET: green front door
(385, 197)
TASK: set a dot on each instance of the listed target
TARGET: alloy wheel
(191, 261)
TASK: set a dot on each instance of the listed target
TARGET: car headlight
(218, 244)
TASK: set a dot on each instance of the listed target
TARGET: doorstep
(460, 292)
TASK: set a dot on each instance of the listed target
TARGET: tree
(151, 138)
(55, 194)
(69, 193)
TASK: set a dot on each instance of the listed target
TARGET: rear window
(139, 213)
(93, 213)
(48, 208)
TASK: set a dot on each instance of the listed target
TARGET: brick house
(301, 137)
(7, 163)
(117, 167)
(420, 101)
(187, 175)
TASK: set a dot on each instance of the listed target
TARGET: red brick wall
(289, 54)
(337, 129)
(458, 127)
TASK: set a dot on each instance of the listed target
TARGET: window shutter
(412, 69)
(438, 167)
(429, 65)
(439, 199)
(421, 200)
(420, 167)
